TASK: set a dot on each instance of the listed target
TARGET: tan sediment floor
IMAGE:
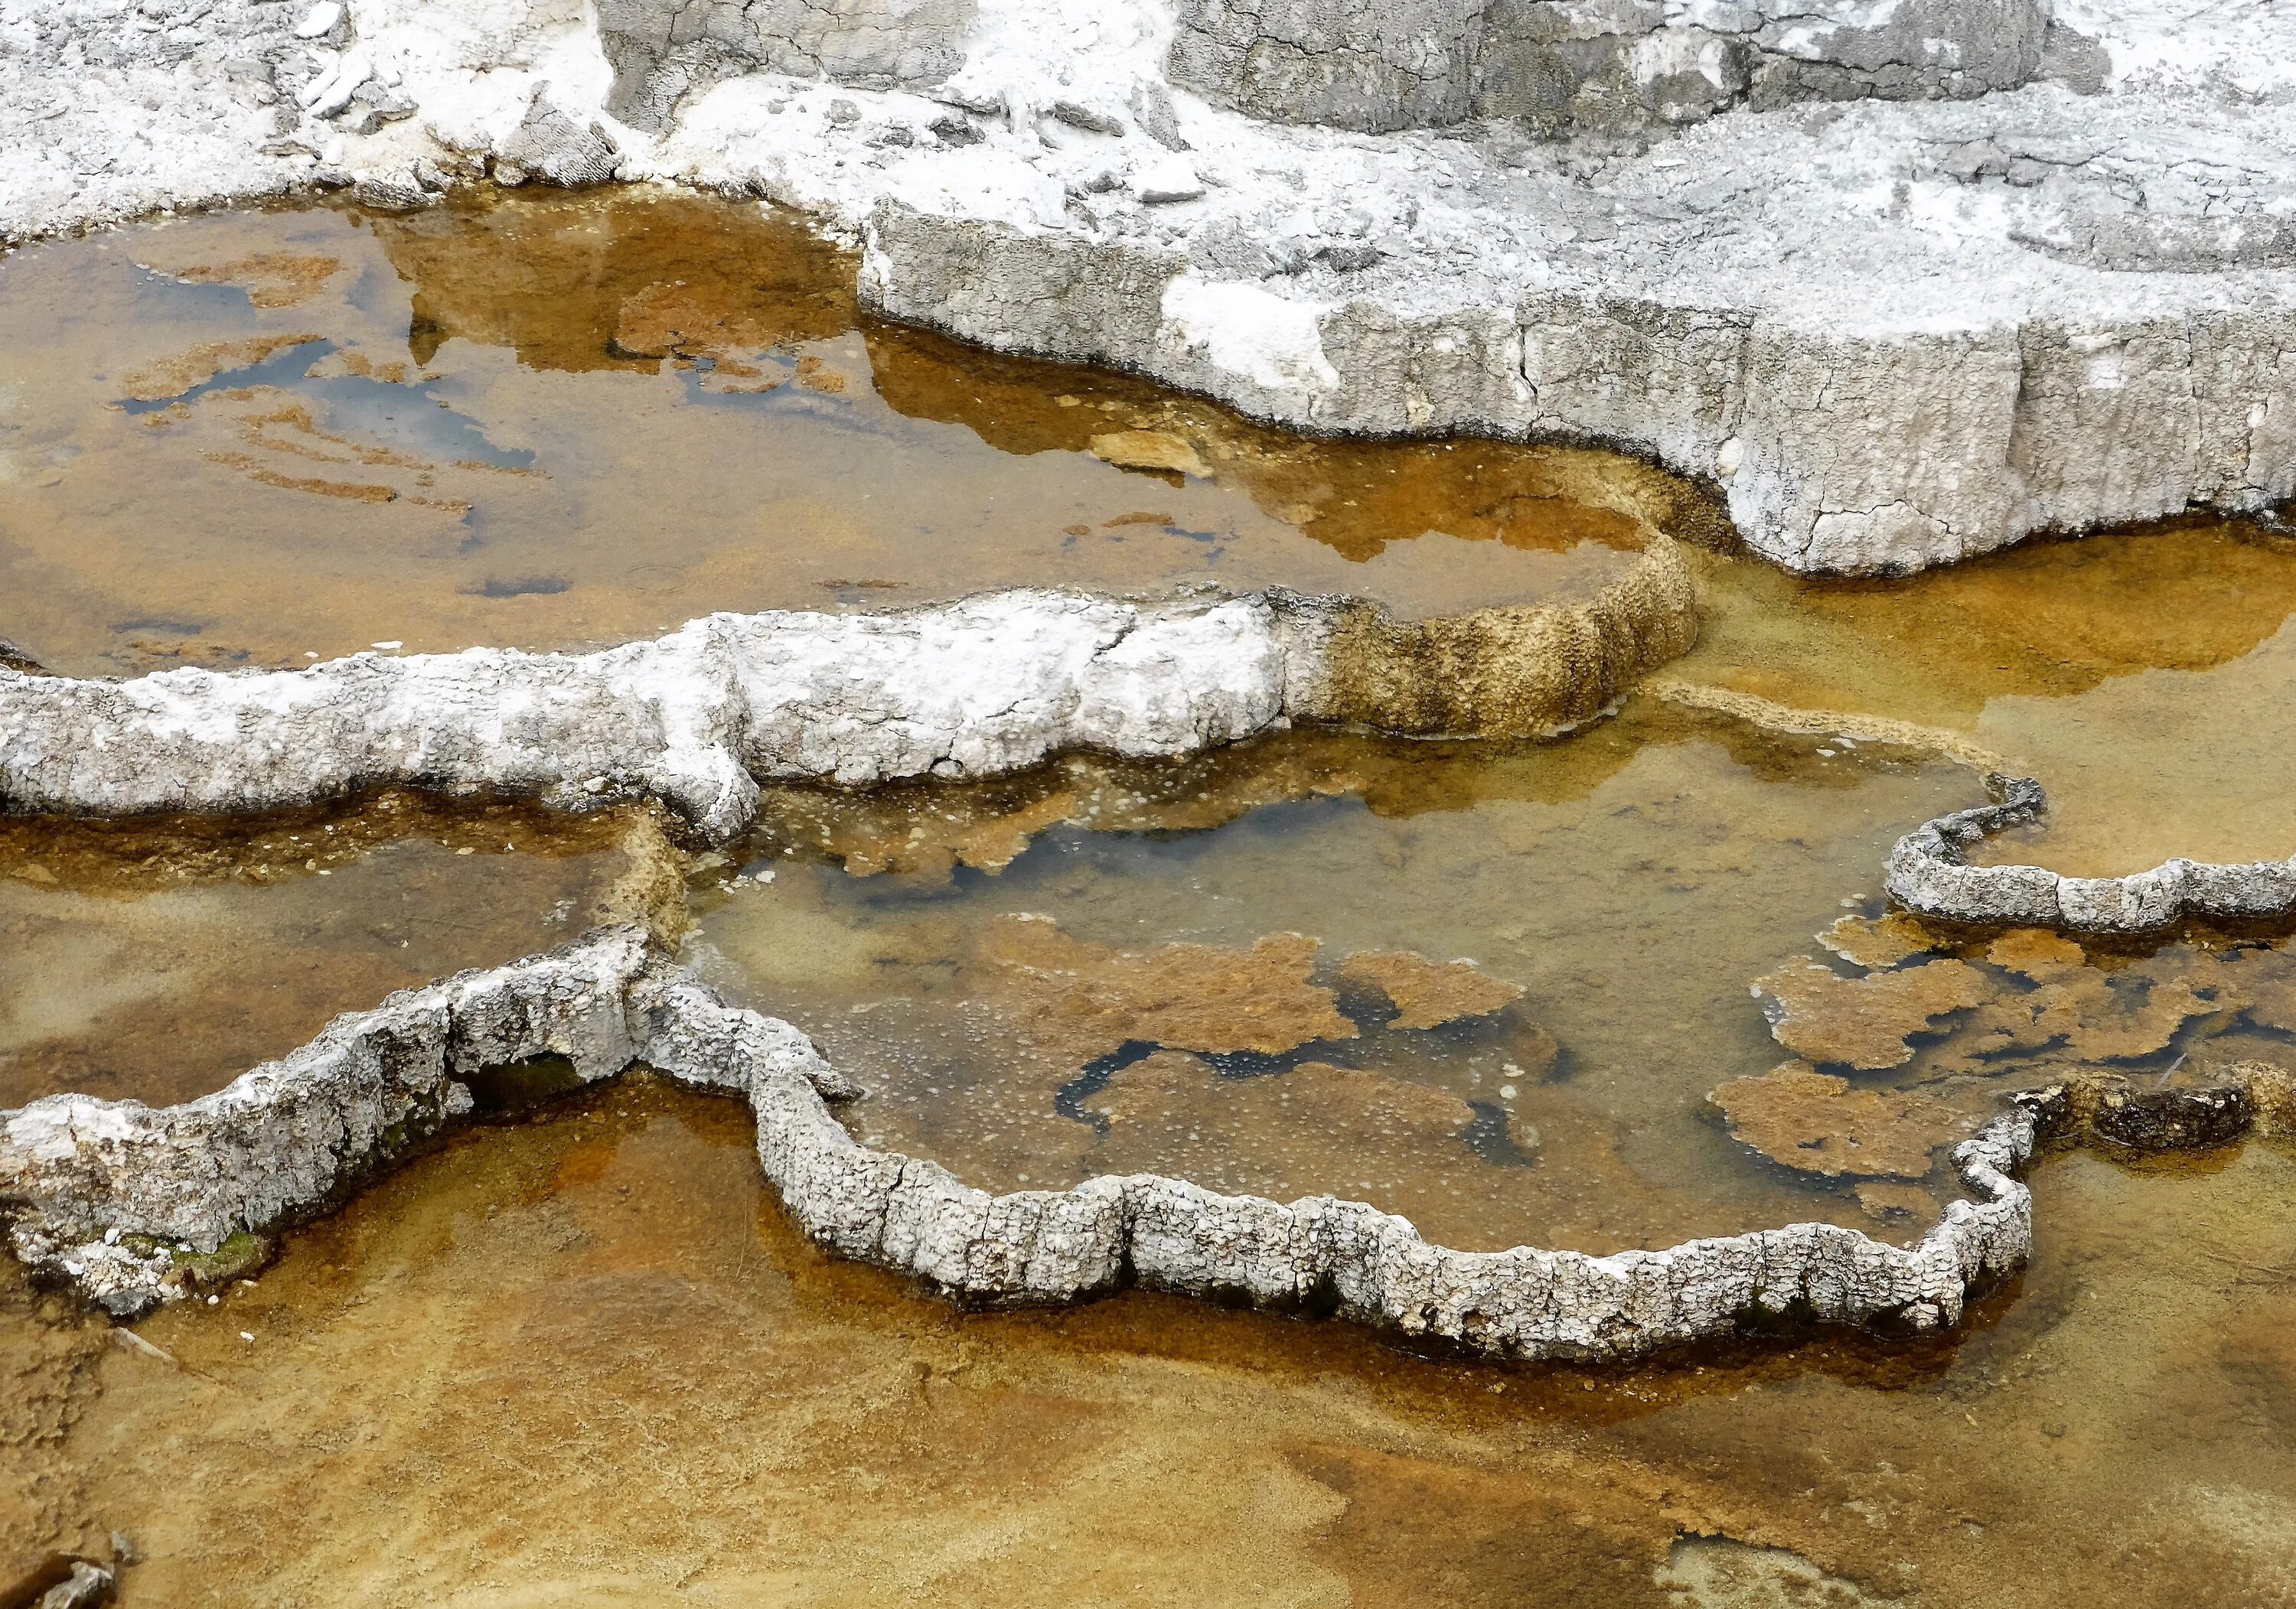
(553, 420)
(2142, 675)
(1631, 883)
(585, 1360)
(158, 961)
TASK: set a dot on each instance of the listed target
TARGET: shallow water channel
(1630, 986)
(243, 439)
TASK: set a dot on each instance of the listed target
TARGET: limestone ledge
(1907, 282)
(123, 1199)
(1928, 875)
(986, 684)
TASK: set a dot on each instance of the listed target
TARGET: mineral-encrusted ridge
(697, 718)
(121, 1198)
(1929, 875)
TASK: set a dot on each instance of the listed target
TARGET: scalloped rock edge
(1907, 282)
(1928, 875)
(986, 684)
(118, 1198)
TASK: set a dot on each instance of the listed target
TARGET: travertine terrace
(1906, 283)
(1175, 657)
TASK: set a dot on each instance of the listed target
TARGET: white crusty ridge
(983, 685)
(119, 1198)
(1928, 876)
(697, 718)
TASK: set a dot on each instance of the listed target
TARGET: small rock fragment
(1149, 450)
(1077, 116)
(549, 144)
(1167, 181)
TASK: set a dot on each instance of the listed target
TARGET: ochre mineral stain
(1090, 999)
(1865, 1022)
(1316, 1127)
(158, 960)
(554, 420)
(1428, 993)
(586, 1359)
(1817, 1123)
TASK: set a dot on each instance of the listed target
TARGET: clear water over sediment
(1633, 984)
(564, 421)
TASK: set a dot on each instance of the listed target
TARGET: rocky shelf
(131, 1204)
(1908, 283)
(1928, 875)
(987, 684)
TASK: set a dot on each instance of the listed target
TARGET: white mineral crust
(1908, 281)
(115, 1195)
(1927, 874)
(983, 685)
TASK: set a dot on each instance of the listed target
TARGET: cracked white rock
(2038, 274)
(1928, 875)
(106, 1193)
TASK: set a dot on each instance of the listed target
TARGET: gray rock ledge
(122, 1199)
(1908, 279)
(986, 684)
(1928, 875)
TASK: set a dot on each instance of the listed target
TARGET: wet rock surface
(490, 403)
(2038, 267)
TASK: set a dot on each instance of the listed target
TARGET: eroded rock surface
(1906, 281)
(121, 1198)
